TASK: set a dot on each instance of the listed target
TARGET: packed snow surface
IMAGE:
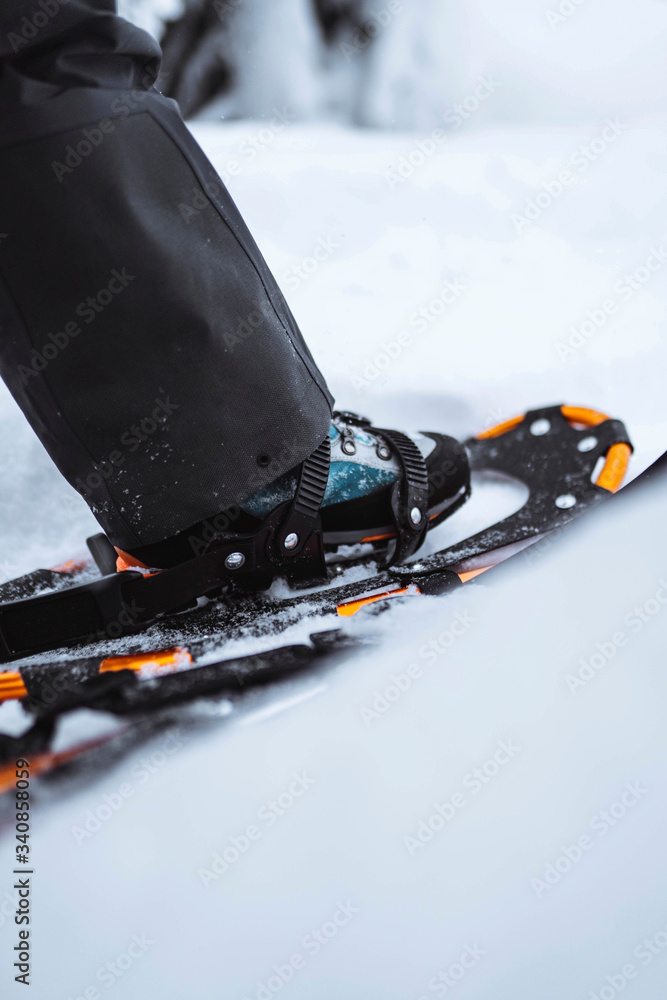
(488, 822)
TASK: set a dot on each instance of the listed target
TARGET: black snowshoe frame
(553, 451)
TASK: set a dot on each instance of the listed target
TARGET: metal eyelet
(383, 451)
(348, 445)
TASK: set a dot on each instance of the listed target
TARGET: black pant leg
(142, 332)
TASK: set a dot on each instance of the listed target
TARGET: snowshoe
(555, 451)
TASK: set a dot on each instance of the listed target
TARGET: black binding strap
(298, 545)
(409, 498)
(303, 516)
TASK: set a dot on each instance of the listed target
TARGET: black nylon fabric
(141, 331)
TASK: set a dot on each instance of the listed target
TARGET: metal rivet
(566, 501)
(234, 560)
(349, 447)
(415, 515)
(540, 427)
(587, 444)
(291, 541)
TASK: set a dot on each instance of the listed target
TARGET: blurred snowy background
(516, 258)
(401, 63)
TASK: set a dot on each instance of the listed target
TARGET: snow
(498, 301)
(410, 62)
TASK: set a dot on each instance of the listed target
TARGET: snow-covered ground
(430, 299)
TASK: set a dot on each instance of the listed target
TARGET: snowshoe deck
(554, 451)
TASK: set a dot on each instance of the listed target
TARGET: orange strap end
(126, 561)
(11, 686)
(583, 415)
(350, 608)
(470, 574)
(507, 425)
(175, 657)
(612, 476)
(71, 566)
